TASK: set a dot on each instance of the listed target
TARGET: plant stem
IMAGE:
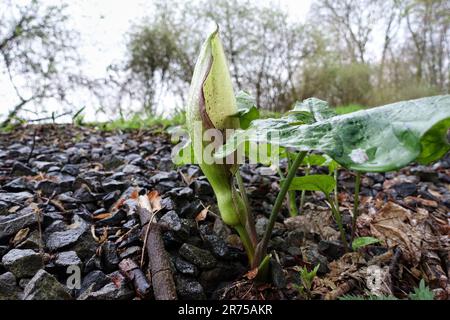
(336, 194)
(261, 248)
(302, 196)
(356, 203)
(338, 218)
(293, 210)
(250, 223)
(247, 242)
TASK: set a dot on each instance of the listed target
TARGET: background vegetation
(357, 53)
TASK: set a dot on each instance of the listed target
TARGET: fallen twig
(159, 264)
(132, 271)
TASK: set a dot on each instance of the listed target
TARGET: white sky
(102, 25)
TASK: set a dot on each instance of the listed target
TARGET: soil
(67, 205)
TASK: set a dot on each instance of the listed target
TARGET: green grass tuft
(348, 108)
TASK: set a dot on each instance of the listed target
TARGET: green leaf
(319, 110)
(362, 242)
(331, 164)
(317, 182)
(374, 140)
(422, 292)
(313, 159)
(247, 109)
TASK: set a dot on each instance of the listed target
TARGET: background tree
(37, 53)
(264, 49)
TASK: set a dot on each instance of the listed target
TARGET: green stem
(247, 242)
(261, 248)
(293, 210)
(356, 203)
(338, 218)
(336, 194)
(303, 195)
(250, 223)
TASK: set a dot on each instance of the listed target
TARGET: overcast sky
(102, 25)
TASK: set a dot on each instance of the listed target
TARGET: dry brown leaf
(314, 221)
(155, 200)
(202, 215)
(13, 209)
(252, 274)
(118, 204)
(398, 226)
(103, 237)
(20, 236)
(102, 216)
(134, 194)
(425, 202)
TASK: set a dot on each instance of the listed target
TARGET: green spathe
(375, 140)
(212, 105)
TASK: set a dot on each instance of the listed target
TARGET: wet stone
(171, 221)
(112, 162)
(168, 204)
(3, 250)
(227, 271)
(295, 238)
(261, 226)
(190, 209)
(114, 185)
(96, 278)
(8, 287)
(116, 290)
(200, 257)
(129, 252)
(17, 185)
(217, 245)
(33, 241)
(22, 263)
(43, 165)
(189, 289)
(405, 189)
(110, 259)
(184, 192)
(11, 224)
(312, 256)
(185, 267)
(331, 249)
(114, 220)
(20, 169)
(68, 258)
(202, 188)
(277, 274)
(48, 187)
(131, 169)
(62, 239)
(71, 169)
(44, 286)
(84, 195)
(15, 198)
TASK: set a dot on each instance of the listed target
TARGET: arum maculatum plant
(377, 140)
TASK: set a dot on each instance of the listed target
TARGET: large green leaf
(377, 140)
(247, 109)
(317, 182)
(315, 110)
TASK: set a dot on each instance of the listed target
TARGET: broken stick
(159, 264)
